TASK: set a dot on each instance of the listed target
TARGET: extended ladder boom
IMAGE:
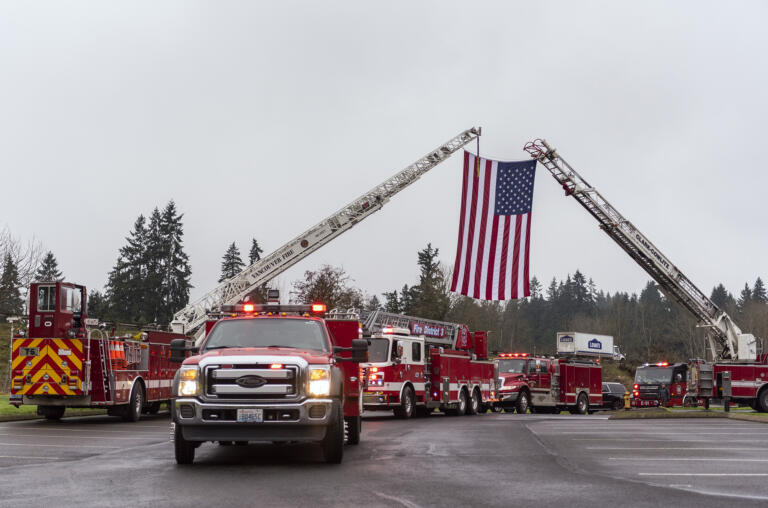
(723, 333)
(190, 318)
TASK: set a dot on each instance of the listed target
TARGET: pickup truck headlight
(319, 382)
(189, 381)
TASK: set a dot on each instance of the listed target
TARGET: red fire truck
(418, 365)
(548, 385)
(651, 379)
(61, 361)
(271, 372)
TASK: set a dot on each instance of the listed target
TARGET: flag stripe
(490, 280)
(526, 280)
(515, 258)
(481, 259)
(504, 258)
(470, 232)
(461, 222)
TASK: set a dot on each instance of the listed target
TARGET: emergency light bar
(252, 308)
(513, 355)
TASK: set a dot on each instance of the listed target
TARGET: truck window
(511, 366)
(378, 350)
(268, 332)
(46, 298)
(653, 375)
(66, 299)
(416, 351)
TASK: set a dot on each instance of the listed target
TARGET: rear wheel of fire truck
(405, 410)
(51, 412)
(135, 404)
(185, 450)
(582, 405)
(762, 401)
(333, 443)
(523, 402)
(354, 426)
(474, 403)
(461, 406)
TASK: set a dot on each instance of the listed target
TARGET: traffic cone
(121, 355)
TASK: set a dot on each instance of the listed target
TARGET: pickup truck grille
(252, 382)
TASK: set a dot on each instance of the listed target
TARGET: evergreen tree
(255, 252)
(373, 304)
(231, 263)
(721, 297)
(744, 298)
(49, 269)
(391, 302)
(535, 286)
(430, 297)
(174, 264)
(10, 285)
(126, 289)
(758, 292)
(97, 305)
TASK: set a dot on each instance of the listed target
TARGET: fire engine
(270, 372)
(649, 378)
(548, 385)
(417, 365)
(738, 371)
(63, 361)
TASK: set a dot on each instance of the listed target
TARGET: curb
(665, 415)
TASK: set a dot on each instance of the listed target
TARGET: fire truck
(547, 384)
(738, 371)
(270, 372)
(417, 365)
(649, 379)
(63, 361)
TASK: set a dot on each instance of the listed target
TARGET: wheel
(135, 404)
(474, 403)
(762, 401)
(582, 404)
(618, 404)
(332, 444)
(405, 410)
(51, 412)
(152, 408)
(354, 428)
(523, 402)
(185, 450)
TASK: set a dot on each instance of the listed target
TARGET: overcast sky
(261, 118)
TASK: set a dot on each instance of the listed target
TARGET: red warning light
(248, 307)
(318, 307)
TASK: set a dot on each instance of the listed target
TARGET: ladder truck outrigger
(296, 386)
(738, 372)
(416, 365)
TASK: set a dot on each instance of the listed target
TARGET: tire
(582, 404)
(523, 403)
(184, 450)
(135, 404)
(354, 428)
(474, 403)
(405, 410)
(762, 401)
(51, 412)
(332, 444)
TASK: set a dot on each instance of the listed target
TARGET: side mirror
(179, 350)
(359, 350)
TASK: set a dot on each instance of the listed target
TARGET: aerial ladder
(726, 341)
(190, 319)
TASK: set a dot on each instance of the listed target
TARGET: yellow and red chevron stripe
(56, 369)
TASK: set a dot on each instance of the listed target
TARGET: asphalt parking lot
(718, 457)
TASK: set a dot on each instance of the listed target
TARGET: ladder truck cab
(270, 372)
(63, 360)
(548, 385)
(652, 378)
(418, 365)
(738, 371)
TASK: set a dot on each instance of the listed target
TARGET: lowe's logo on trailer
(595, 344)
(566, 338)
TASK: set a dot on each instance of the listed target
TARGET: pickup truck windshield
(266, 332)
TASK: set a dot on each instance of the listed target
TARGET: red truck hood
(514, 377)
(311, 356)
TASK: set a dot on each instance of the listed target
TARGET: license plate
(29, 351)
(250, 415)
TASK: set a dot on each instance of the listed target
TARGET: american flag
(494, 229)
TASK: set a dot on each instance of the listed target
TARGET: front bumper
(216, 421)
(508, 399)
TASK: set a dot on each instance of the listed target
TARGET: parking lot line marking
(60, 445)
(672, 448)
(650, 432)
(90, 436)
(27, 457)
(694, 459)
(645, 440)
(702, 474)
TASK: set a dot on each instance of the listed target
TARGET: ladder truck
(416, 365)
(737, 373)
(191, 318)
